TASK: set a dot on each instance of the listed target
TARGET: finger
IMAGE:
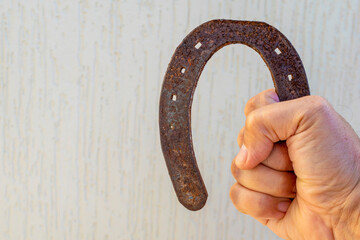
(258, 205)
(279, 158)
(264, 98)
(266, 180)
(275, 122)
(240, 137)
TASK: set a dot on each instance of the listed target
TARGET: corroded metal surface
(180, 81)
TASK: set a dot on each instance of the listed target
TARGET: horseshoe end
(192, 201)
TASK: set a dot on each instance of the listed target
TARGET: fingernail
(283, 206)
(241, 157)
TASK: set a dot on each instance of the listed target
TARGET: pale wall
(79, 89)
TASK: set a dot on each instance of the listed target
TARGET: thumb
(272, 123)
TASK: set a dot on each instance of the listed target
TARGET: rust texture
(180, 81)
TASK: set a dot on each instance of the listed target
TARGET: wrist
(348, 224)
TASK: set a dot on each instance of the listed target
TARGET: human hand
(319, 153)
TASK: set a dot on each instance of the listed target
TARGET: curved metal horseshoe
(180, 81)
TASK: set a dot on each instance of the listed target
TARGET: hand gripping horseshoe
(180, 81)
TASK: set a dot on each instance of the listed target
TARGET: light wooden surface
(79, 89)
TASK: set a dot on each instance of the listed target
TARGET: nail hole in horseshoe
(290, 77)
(198, 45)
(182, 70)
(277, 50)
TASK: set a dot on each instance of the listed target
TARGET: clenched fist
(298, 169)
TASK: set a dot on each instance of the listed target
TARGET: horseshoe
(180, 81)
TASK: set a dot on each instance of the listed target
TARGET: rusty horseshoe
(180, 81)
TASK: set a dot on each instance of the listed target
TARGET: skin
(298, 169)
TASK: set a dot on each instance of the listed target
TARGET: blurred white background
(79, 89)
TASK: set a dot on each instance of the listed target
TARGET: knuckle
(232, 193)
(234, 169)
(237, 197)
(320, 105)
(251, 120)
(237, 173)
(264, 98)
(318, 100)
(249, 106)
(240, 137)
